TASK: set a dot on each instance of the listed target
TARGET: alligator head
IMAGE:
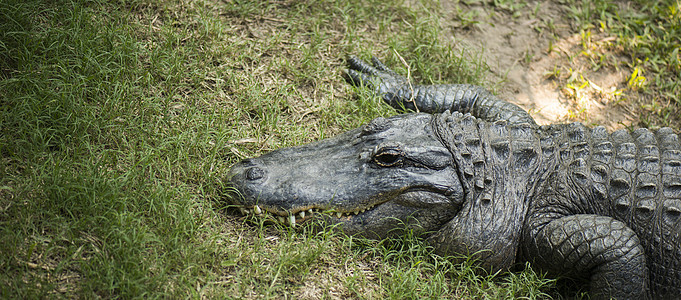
(371, 180)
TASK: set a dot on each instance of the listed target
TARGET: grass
(646, 34)
(120, 119)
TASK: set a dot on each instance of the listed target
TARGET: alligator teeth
(291, 218)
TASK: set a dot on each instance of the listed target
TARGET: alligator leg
(600, 249)
(397, 91)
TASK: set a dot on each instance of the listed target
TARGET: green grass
(647, 33)
(120, 119)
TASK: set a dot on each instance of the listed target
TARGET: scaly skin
(573, 201)
(464, 98)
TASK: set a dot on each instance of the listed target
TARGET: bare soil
(535, 56)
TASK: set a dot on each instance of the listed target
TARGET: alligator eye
(388, 157)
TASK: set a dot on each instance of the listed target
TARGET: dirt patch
(543, 63)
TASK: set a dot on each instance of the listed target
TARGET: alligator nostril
(254, 173)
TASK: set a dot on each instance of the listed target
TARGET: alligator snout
(247, 171)
(245, 177)
(254, 173)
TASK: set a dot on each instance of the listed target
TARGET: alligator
(474, 174)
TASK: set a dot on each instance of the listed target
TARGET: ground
(132, 112)
(525, 46)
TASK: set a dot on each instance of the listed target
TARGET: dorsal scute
(633, 175)
(500, 123)
(645, 188)
(599, 133)
(625, 158)
(578, 136)
(577, 132)
(644, 136)
(633, 179)
(481, 143)
(525, 148)
(670, 158)
(522, 131)
(671, 214)
(461, 134)
(499, 142)
(602, 157)
(668, 139)
(621, 136)
(648, 151)
(670, 149)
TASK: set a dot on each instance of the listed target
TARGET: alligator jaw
(301, 215)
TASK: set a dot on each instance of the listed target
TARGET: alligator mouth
(300, 215)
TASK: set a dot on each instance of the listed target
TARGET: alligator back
(632, 177)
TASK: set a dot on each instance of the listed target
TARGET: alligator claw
(378, 77)
(358, 79)
(378, 64)
(362, 66)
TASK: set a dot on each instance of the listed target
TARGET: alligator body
(485, 178)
